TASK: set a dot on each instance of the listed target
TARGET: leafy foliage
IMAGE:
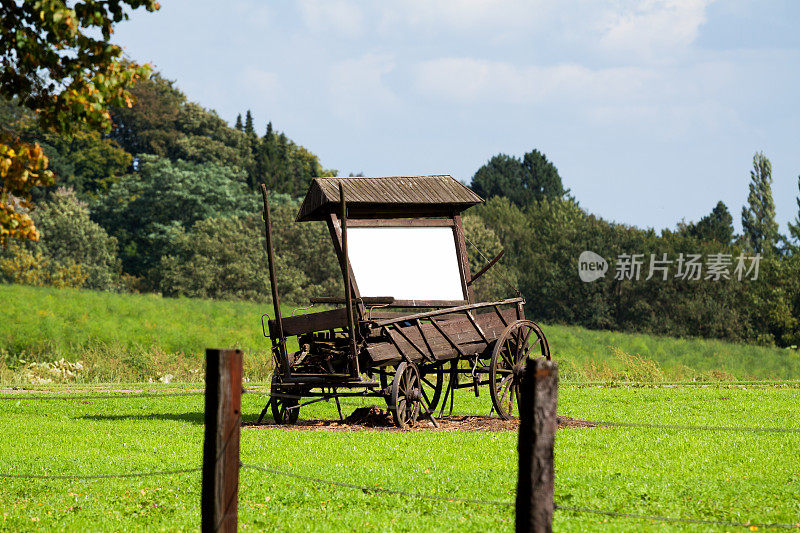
(84, 160)
(164, 123)
(54, 63)
(543, 243)
(225, 259)
(148, 210)
(73, 250)
(716, 226)
(794, 226)
(523, 181)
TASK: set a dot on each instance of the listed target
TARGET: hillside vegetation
(131, 337)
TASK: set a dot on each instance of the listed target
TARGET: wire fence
(558, 507)
(409, 494)
(599, 423)
(101, 476)
(127, 395)
(390, 491)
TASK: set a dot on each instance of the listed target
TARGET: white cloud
(261, 80)
(341, 17)
(357, 87)
(466, 14)
(471, 80)
(653, 29)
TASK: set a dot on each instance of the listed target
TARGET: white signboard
(407, 263)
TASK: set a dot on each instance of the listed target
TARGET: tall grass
(129, 337)
(606, 355)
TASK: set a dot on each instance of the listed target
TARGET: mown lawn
(129, 337)
(720, 475)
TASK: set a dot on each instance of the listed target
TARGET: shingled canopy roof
(389, 197)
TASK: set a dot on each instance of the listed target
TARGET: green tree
(716, 226)
(758, 216)
(56, 60)
(499, 282)
(239, 125)
(249, 129)
(225, 259)
(794, 226)
(73, 250)
(150, 125)
(147, 210)
(523, 181)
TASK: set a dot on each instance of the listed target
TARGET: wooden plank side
(309, 322)
(385, 353)
(458, 329)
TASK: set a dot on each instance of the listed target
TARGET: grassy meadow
(713, 475)
(71, 341)
(132, 337)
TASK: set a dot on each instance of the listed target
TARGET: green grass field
(715, 475)
(136, 341)
(124, 337)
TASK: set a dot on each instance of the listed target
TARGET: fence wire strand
(599, 423)
(675, 519)
(47, 396)
(367, 488)
(557, 507)
(101, 476)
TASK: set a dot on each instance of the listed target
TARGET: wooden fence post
(537, 432)
(220, 493)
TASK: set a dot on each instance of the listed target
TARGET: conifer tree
(239, 125)
(248, 124)
(758, 216)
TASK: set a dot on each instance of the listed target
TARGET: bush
(225, 259)
(73, 251)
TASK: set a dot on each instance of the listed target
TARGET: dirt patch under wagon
(374, 418)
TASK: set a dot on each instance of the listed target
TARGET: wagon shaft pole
(273, 281)
(348, 293)
(537, 431)
(220, 489)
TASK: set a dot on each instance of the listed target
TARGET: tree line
(113, 180)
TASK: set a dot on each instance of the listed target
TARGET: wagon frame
(400, 347)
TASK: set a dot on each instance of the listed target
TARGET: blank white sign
(418, 263)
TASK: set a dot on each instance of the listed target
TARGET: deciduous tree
(523, 181)
(56, 60)
(794, 226)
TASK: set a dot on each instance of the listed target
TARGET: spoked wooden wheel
(432, 383)
(406, 395)
(520, 340)
(283, 400)
(432, 378)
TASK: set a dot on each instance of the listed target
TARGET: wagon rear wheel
(520, 340)
(406, 396)
(432, 379)
(432, 383)
(284, 401)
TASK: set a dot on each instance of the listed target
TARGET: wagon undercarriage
(414, 358)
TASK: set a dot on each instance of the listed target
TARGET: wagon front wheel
(284, 401)
(520, 340)
(406, 396)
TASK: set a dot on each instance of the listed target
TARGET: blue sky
(651, 110)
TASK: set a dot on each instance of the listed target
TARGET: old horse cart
(407, 328)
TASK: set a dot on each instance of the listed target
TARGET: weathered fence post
(220, 494)
(537, 432)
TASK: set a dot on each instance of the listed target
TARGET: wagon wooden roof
(388, 197)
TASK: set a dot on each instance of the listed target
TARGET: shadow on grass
(192, 418)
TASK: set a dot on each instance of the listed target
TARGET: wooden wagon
(407, 328)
